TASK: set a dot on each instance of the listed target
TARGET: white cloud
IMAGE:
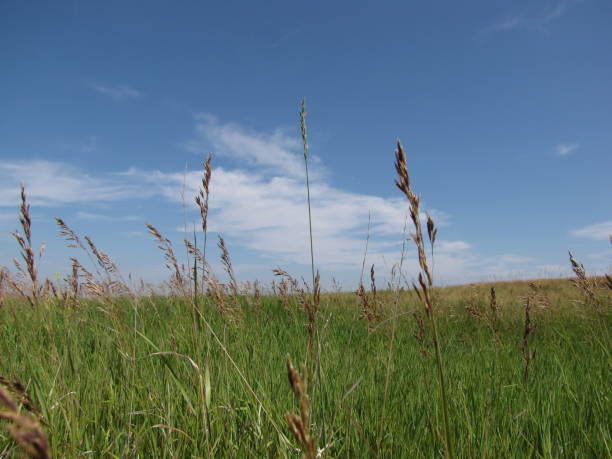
(274, 152)
(117, 92)
(598, 231)
(261, 206)
(565, 149)
(51, 183)
(538, 22)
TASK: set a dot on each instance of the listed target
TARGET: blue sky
(504, 108)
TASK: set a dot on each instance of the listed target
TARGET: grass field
(123, 378)
(93, 366)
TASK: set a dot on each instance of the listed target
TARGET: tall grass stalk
(425, 277)
(305, 142)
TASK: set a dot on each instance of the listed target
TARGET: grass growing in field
(116, 379)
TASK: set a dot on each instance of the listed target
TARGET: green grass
(94, 377)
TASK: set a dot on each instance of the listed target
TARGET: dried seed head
(432, 231)
(303, 127)
(26, 431)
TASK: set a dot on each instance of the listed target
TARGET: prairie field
(121, 377)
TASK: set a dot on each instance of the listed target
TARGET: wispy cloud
(52, 183)
(117, 92)
(274, 152)
(538, 22)
(258, 202)
(598, 231)
(565, 149)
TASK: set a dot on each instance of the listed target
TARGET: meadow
(94, 365)
(120, 378)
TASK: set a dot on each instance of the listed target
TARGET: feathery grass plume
(425, 277)
(114, 283)
(584, 283)
(227, 309)
(74, 241)
(201, 199)
(475, 309)
(283, 291)
(49, 290)
(25, 243)
(300, 425)
(90, 285)
(69, 235)
(26, 431)
(305, 143)
(292, 284)
(538, 296)
(177, 281)
(227, 264)
(105, 262)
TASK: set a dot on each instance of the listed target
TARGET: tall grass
(425, 278)
(106, 386)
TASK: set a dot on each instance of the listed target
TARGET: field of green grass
(135, 378)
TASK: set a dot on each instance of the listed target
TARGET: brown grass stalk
(201, 200)
(586, 284)
(425, 278)
(177, 280)
(299, 425)
(227, 265)
(27, 253)
(24, 428)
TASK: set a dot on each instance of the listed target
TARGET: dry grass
(300, 425)
(425, 278)
(24, 428)
(27, 253)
